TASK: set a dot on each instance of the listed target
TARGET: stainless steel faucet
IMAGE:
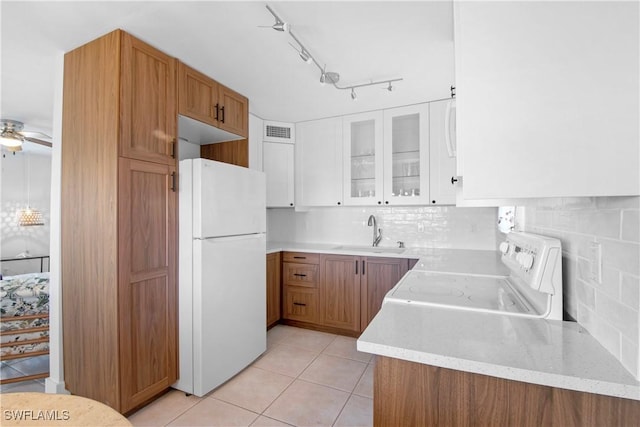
(377, 232)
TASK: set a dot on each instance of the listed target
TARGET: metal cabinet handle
(174, 186)
(356, 267)
(454, 180)
(363, 267)
(300, 304)
(173, 148)
(222, 111)
(299, 275)
(217, 111)
(300, 257)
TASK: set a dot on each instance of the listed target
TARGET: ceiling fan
(12, 136)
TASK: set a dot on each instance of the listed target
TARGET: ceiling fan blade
(39, 141)
(33, 134)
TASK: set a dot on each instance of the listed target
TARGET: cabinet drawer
(300, 304)
(301, 257)
(300, 274)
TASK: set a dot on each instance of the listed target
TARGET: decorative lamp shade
(29, 217)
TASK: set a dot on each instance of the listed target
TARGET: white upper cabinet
(319, 163)
(547, 98)
(442, 150)
(277, 161)
(363, 152)
(406, 155)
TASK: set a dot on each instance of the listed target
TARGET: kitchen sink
(371, 249)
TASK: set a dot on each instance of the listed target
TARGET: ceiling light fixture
(325, 76)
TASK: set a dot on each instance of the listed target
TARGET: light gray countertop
(546, 352)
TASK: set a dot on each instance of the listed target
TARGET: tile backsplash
(609, 309)
(428, 227)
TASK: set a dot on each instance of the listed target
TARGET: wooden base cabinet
(300, 287)
(412, 394)
(378, 277)
(340, 291)
(119, 222)
(273, 288)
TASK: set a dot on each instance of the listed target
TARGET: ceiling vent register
(279, 132)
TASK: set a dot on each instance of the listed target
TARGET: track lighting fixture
(325, 76)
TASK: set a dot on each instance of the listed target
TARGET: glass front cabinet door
(406, 155)
(363, 152)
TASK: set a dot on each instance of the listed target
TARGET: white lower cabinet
(277, 163)
(319, 163)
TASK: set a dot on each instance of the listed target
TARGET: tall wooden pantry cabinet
(119, 221)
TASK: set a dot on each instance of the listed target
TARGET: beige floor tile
(263, 421)
(253, 389)
(357, 412)
(335, 372)
(306, 404)
(346, 347)
(214, 412)
(280, 333)
(162, 411)
(365, 385)
(309, 340)
(285, 360)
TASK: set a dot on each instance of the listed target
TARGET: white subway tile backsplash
(631, 225)
(630, 291)
(424, 226)
(614, 222)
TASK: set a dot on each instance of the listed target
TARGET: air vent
(279, 132)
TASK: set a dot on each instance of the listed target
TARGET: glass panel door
(407, 155)
(363, 153)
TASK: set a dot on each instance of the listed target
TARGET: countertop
(475, 261)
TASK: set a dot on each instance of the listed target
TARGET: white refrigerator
(222, 272)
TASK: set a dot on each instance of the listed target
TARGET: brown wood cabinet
(300, 287)
(340, 291)
(379, 276)
(412, 394)
(273, 289)
(119, 222)
(204, 99)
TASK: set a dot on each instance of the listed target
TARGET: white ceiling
(363, 41)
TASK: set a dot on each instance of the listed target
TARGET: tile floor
(19, 367)
(305, 378)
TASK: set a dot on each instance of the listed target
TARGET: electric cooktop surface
(477, 293)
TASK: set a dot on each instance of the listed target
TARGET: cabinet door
(406, 155)
(340, 291)
(362, 145)
(549, 116)
(148, 117)
(319, 162)
(442, 159)
(278, 167)
(273, 288)
(234, 112)
(147, 258)
(197, 95)
(379, 275)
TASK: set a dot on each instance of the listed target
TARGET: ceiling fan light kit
(330, 77)
(12, 136)
(29, 217)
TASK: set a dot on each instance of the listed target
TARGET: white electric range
(532, 288)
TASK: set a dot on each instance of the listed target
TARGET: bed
(24, 315)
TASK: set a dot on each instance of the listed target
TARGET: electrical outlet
(595, 259)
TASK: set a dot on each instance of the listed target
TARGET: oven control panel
(535, 259)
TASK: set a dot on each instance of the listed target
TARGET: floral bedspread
(24, 295)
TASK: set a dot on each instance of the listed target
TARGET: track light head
(353, 94)
(390, 88)
(305, 56)
(281, 26)
(323, 77)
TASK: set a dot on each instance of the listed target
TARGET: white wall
(427, 227)
(17, 187)
(608, 310)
